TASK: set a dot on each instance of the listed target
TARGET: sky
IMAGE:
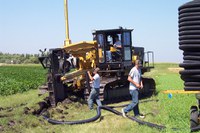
(29, 25)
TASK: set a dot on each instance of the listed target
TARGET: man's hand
(138, 86)
(88, 72)
(141, 86)
(90, 75)
(62, 78)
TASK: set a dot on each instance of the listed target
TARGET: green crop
(20, 78)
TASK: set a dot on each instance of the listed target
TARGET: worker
(117, 43)
(134, 78)
(71, 60)
(118, 46)
(94, 94)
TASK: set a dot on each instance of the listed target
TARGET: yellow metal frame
(82, 47)
(87, 54)
(180, 92)
(67, 40)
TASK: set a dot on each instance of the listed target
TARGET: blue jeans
(94, 95)
(134, 103)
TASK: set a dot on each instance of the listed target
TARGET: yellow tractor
(67, 66)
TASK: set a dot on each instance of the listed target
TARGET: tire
(149, 87)
(193, 117)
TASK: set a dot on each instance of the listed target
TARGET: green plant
(20, 78)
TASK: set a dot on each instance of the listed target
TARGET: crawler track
(116, 90)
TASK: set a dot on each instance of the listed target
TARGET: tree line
(19, 58)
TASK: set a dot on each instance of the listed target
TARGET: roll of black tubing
(189, 18)
(189, 72)
(186, 65)
(192, 83)
(189, 57)
(189, 80)
(189, 32)
(190, 47)
(191, 61)
(185, 28)
(188, 6)
(189, 9)
(192, 88)
(195, 54)
(189, 37)
(194, 41)
(187, 14)
(191, 76)
(182, 24)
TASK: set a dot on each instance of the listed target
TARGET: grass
(171, 112)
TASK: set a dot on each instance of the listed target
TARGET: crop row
(15, 79)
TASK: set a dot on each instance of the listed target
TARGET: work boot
(141, 116)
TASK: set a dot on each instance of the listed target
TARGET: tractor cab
(114, 48)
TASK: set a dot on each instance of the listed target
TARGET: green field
(20, 78)
(171, 112)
